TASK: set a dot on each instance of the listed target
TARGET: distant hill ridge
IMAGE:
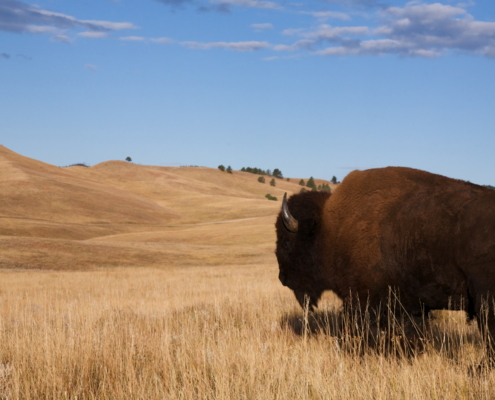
(49, 211)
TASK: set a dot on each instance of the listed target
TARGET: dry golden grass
(124, 281)
(204, 333)
(122, 214)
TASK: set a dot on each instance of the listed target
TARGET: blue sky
(315, 87)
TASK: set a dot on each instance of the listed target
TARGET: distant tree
(311, 183)
(272, 182)
(325, 188)
(229, 169)
(261, 179)
(303, 190)
(128, 159)
(334, 179)
(301, 182)
(257, 171)
(288, 179)
(277, 173)
(221, 167)
(270, 197)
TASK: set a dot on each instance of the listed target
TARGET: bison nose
(283, 278)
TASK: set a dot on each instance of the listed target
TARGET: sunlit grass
(208, 333)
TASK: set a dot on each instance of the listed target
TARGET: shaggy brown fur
(428, 237)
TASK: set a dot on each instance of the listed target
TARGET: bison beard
(429, 238)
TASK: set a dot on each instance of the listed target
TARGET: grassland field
(125, 281)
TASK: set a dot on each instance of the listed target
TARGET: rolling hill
(121, 214)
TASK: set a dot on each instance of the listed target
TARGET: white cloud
(110, 26)
(415, 30)
(324, 15)
(299, 45)
(132, 38)
(237, 46)
(93, 35)
(330, 33)
(262, 27)
(61, 39)
(18, 16)
(162, 40)
(292, 31)
(246, 3)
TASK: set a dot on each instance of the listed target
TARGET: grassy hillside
(122, 214)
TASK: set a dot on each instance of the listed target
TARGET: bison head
(299, 242)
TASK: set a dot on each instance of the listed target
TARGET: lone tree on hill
(301, 182)
(261, 179)
(229, 169)
(128, 159)
(272, 182)
(277, 173)
(221, 167)
(334, 179)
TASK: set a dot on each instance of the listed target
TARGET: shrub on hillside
(221, 167)
(334, 179)
(261, 179)
(272, 182)
(311, 183)
(229, 169)
(270, 197)
(324, 187)
(301, 182)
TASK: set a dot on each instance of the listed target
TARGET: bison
(428, 237)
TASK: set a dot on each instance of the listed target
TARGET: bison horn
(289, 221)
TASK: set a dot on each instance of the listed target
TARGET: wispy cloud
(248, 4)
(299, 45)
(262, 27)
(415, 30)
(425, 30)
(221, 5)
(324, 15)
(91, 67)
(358, 3)
(61, 39)
(237, 46)
(93, 35)
(176, 3)
(133, 38)
(162, 40)
(17, 16)
(5, 55)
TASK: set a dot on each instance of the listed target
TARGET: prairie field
(206, 333)
(122, 281)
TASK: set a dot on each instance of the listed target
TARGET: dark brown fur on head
(297, 252)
